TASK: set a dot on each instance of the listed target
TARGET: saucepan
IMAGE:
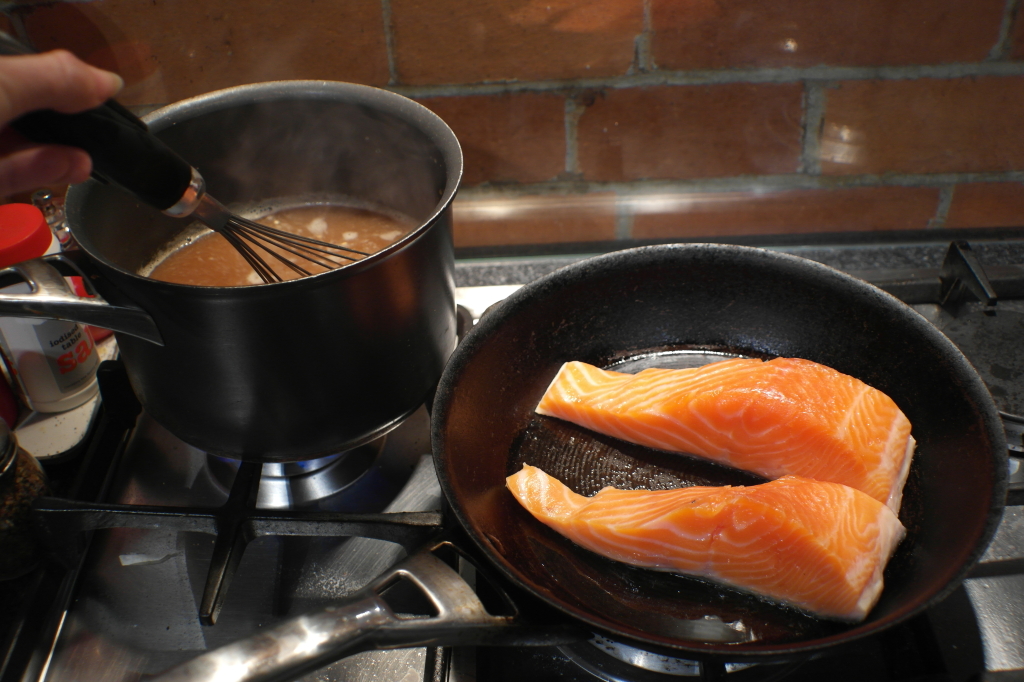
(291, 370)
(664, 306)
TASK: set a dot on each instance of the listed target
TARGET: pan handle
(367, 621)
(50, 297)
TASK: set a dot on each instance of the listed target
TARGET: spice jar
(52, 363)
(22, 480)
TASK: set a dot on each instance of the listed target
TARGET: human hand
(53, 80)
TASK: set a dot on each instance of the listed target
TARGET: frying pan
(666, 306)
(650, 304)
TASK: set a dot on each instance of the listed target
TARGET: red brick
(451, 41)
(707, 34)
(924, 126)
(996, 204)
(506, 137)
(691, 132)
(167, 51)
(786, 212)
(534, 220)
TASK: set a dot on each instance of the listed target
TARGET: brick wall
(611, 119)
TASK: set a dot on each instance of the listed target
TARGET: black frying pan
(624, 308)
(661, 306)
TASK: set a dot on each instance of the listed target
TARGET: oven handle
(366, 621)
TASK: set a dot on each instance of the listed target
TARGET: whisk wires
(254, 237)
(256, 242)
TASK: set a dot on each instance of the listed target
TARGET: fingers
(36, 167)
(52, 80)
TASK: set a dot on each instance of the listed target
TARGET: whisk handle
(123, 150)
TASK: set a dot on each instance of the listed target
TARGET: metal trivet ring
(613, 661)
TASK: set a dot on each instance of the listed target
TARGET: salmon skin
(776, 418)
(818, 546)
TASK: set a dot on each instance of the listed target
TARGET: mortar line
(814, 117)
(623, 220)
(389, 41)
(724, 76)
(938, 221)
(644, 60)
(1002, 46)
(573, 111)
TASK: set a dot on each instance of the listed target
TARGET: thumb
(53, 80)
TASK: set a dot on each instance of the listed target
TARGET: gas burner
(613, 661)
(293, 485)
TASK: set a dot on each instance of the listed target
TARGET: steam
(291, 148)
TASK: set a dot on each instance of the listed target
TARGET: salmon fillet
(818, 546)
(785, 416)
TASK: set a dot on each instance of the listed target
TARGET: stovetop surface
(133, 611)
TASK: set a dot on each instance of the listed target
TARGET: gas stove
(160, 552)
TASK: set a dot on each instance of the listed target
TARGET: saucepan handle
(51, 297)
(367, 621)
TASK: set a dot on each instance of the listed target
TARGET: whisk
(125, 153)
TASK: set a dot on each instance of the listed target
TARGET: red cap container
(24, 234)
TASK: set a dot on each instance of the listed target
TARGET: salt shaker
(22, 481)
(52, 363)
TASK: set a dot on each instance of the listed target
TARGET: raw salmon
(784, 416)
(819, 546)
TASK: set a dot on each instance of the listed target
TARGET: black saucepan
(665, 306)
(293, 370)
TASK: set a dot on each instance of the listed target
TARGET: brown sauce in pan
(210, 260)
